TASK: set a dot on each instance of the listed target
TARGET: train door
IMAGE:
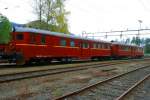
(85, 50)
(132, 52)
(130, 49)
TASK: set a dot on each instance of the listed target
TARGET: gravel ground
(142, 92)
(14, 69)
(48, 87)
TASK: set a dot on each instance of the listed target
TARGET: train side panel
(101, 50)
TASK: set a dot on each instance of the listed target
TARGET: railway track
(115, 88)
(140, 92)
(13, 65)
(133, 90)
(39, 73)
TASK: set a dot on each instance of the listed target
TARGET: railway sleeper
(117, 87)
(108, 94)
(116, 91)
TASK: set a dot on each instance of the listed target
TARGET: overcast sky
(88, 15)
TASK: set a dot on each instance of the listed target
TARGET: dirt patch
(21, 96)
(51, 79)
(80, 79)
(98, 73)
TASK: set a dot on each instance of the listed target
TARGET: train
(35, 45)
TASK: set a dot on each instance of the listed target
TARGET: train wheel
(69, 60)
(20, 62)
(64, 60)
(20, 59)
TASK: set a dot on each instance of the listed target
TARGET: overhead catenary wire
(92, 34)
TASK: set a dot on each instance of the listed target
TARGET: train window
(19, 37)
(100, 45)
(139, 49)
(127, 48)
(105, 46)
(72, 43)
(32, 38)
(85, 45)
(95, 45)
(108, 47)
(43, 39)
(63, 42)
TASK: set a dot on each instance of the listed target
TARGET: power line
(121, 33)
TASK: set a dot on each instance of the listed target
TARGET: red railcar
(137, 52)
(126, 51)
(36, 45)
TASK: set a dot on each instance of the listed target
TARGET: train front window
(19, 37)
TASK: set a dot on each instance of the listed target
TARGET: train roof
(131, 45)
(33, 30)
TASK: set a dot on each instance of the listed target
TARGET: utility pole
(140, 22)
(138, 35)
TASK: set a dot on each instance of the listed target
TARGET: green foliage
(127, 41)
(136, 40)
(147, 46)
(5, 29)
(53, 14)
(37, 24)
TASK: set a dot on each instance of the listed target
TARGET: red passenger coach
(40, 45)
(137, 52)
(121, 50)
(101, 50)
(126, 51)
(37, 45)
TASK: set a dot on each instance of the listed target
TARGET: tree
(133, 41)
(136, 40)
(39, 8)
(127, 41)
(53, 13)
(142, 42)
(5, 30)
(61, 17)
(147, 45)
